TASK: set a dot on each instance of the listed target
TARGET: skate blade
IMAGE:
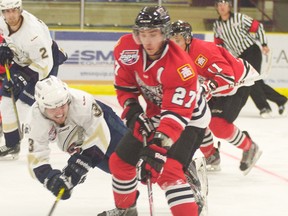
(213, 168)
(9, 157)
(256, 158)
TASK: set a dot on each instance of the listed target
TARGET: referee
(239, 34)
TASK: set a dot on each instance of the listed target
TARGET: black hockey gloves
(137, 121)
(77, 168)
(150, 164)
(74, 173)
(55, 181)
(6, 54)
(17, 83)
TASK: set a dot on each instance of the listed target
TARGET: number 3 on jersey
(180, 95)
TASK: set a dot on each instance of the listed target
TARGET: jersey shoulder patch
(129, 57)
(186, 72)
(201, 60)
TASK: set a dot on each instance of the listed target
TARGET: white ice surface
(263, 192)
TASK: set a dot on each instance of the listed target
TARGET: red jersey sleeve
(124, 82)
(210, 62)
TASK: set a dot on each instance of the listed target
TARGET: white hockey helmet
(51, 93)
(10, 4)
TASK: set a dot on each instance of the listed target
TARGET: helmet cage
(152, 17)
(182, 28)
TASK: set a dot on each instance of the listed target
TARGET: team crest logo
(186, 72)
(52, 133)
(201, 60)
(129, 57)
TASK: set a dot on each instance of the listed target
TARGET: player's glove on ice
(55, 181)
(17, 83)
(137, 121)
(77, 168)
(150, 164)
(6, 54)
(208, 87)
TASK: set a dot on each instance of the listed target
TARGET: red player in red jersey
(219, 68)
(148, 64)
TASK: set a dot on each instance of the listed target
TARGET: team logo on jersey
(201, 60)
(186, 72)
(52, 133)
(151, 93)
(129, 57)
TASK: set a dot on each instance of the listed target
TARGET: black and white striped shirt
(236, 34)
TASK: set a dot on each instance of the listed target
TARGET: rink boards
(90, 59)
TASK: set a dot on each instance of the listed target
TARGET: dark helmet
(183, 28)
(153, 17)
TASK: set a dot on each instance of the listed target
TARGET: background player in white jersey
(32, 55)
(219, 68)
(148, 64)
(81, 126)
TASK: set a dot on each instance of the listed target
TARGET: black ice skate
(132, 211)
(213, 161)
(9, 152)
(281, 109)
(250, 157)
(266, 113)
(195, 184)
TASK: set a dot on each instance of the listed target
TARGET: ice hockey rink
(263, 192)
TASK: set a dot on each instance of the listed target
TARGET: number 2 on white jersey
(179, 96)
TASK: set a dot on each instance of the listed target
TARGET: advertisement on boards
(90, 56)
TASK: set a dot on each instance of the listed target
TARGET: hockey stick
(8, 74)
(249, 80)
(149, 184)
(59, 196)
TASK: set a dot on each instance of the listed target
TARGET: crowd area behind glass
(114, 14)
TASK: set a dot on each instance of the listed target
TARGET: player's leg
(211, 152)
(196, 176)
(275, 97)
(179, 159)
(222, 127)
(122, 166)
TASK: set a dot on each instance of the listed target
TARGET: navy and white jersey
(91, 128)
(31, 44)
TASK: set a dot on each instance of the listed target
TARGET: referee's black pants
(261, 92)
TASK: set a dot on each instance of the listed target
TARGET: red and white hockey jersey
(215, 62)
(168, 85)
